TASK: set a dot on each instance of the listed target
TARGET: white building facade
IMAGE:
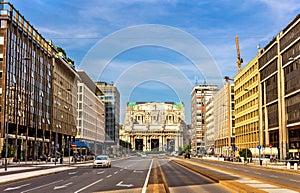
(90, 119)
(154, 126)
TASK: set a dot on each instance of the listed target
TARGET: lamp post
(69, 147)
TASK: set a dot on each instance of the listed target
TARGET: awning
(81, 144)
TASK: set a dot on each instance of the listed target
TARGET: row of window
(251, 70)
(267, 56)
(293, 34)
(268, 70)
(246, 106)
(247, 116)
(247, 94)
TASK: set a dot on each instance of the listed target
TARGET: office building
(36, 90)
(91, 117)
(199, 95)
(224, 120)
(111, 99)
(246, 93)
(280, 91)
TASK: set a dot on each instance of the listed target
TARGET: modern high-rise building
(279, 69)
(209, 126)
(154, 126)
(199, 95)
(90, 135)
(224, 120)
(111, 99)
(64, 97)
(36, 90)
(246, 93)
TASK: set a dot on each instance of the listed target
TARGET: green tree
(11, 151)
(187, 148)
(243, 153)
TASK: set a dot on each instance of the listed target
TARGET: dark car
(292, 161)
(44, 158)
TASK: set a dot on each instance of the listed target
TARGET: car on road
(102, 161)
(143, 155)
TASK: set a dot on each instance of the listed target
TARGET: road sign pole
(259, 147)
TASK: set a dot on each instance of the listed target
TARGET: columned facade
(154, 126)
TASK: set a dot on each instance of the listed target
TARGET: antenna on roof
(196, 80)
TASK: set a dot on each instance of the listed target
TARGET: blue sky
(160, 65)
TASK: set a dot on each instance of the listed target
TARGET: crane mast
(239, 59)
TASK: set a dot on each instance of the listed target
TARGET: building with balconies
(199, 95)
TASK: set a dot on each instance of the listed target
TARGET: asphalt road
(181, 180)
(123, 175)
(133, 174)
(278, 177)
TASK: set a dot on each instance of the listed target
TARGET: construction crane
(239, 59)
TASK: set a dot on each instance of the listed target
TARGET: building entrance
(139, 144)
(155, 144)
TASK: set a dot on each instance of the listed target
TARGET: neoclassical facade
(154, 126)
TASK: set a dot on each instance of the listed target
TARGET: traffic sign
(259, 147)
(73, 145)
(55, 147)
(271, 145)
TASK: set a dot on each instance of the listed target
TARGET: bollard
(295, 166)
(288, 165)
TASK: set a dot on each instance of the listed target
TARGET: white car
(143, 155)
(102, 161)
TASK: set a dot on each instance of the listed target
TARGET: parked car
(102, 161)
(45, 158)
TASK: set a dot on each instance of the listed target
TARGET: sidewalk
(21, 170)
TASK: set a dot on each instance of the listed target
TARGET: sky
(157, 50)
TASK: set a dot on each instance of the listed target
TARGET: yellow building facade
(246, 93)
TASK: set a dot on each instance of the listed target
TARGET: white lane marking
(116, 172)
(121, 170)
(72, 173)
(16, 187)
(137, 171)
(147, 178)
(42, 186)
(274, 176)
(124, 185)
(294, 180)
(88, 186)
(108, 176)
(100, 172)
(74, 176)
(62, 186)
